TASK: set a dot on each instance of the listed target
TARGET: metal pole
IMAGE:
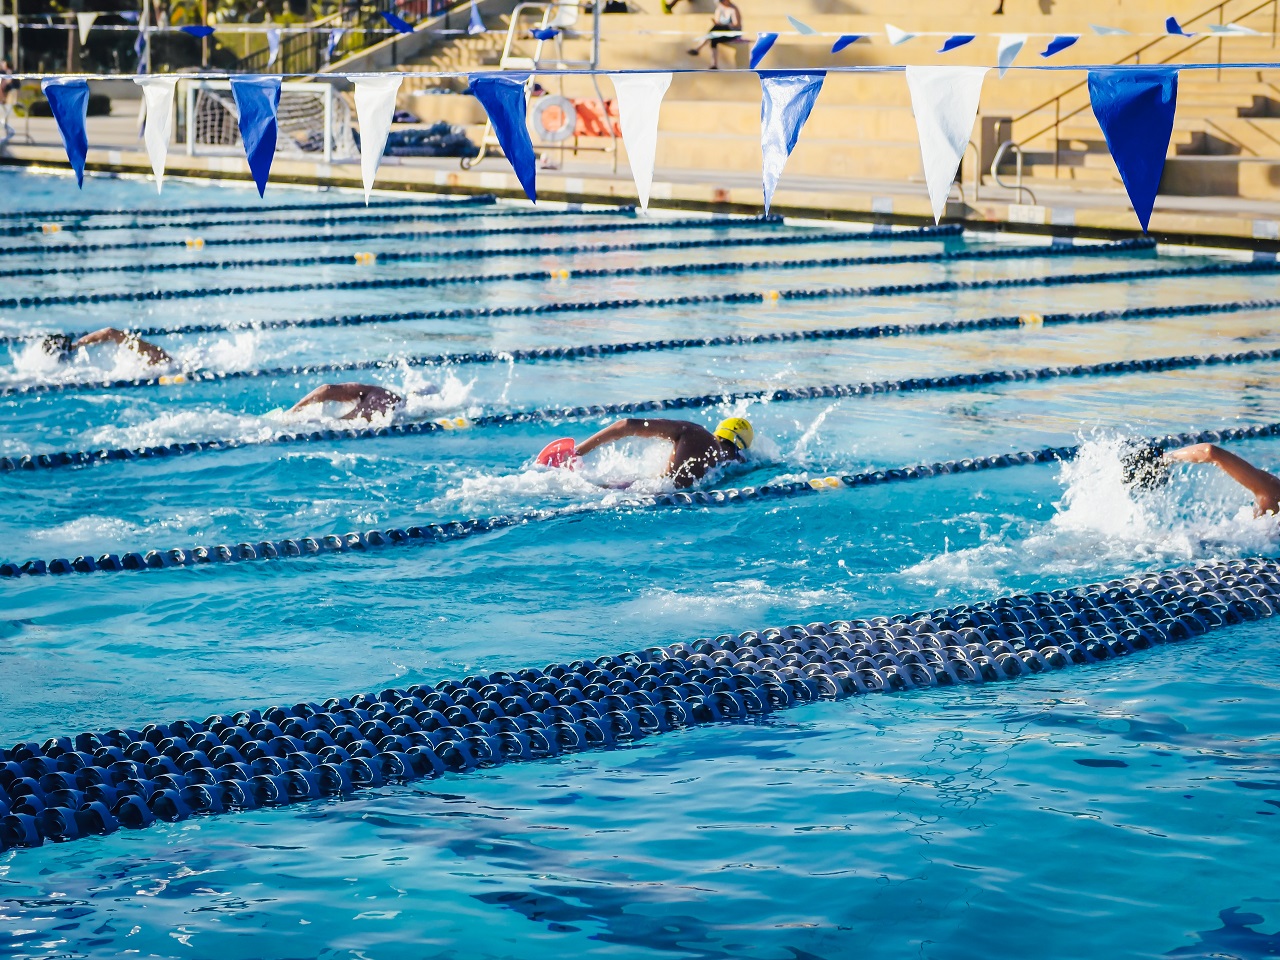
(1057, 139)
(204, 41)
(328, 123)
(595, 36)
(17, 47)
(191, 119)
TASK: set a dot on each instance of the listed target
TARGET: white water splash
(1101, 526)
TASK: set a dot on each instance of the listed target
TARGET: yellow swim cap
(737, 431)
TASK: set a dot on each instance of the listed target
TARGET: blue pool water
(1122, 809)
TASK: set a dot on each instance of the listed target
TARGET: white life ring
(567, 110)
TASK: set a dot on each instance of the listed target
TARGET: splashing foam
(1101, 527)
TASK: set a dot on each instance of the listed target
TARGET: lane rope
(82, 458)
(93, 783)
(38, 217)
(736, 298)
(594, 273)
(413, 256)
(337, 219)
(402, 236)
(595, 350)
(360, 544)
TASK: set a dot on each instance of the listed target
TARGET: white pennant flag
(85, 22)
(896, 36)
(157, 92)
(639, 103)
(273, 46)
(375, 106)
(945, 102)
(1011, 45)
(9, 21)
(1108, 31)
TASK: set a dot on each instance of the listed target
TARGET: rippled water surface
(1125, 809)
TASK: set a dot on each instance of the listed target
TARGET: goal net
(213, 120)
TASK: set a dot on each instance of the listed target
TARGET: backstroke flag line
(502, 97)
(945, 102)
(258, 99)
(375, 106)
(69, 102)
(1135, 110)
(157, 94)
(785, 104)
(639, 104)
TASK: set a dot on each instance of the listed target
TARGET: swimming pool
(1118, 808)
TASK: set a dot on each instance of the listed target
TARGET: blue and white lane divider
(468, 254)
(743, 298)
(406, 213)
(37, 218)
(405, 236)
(597, 350)
(593, 273)
(79, 785)
(360, 544)
(83, 458)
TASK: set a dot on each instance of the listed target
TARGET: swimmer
(60, 346)
(1264, 486)
(370, 401)
(695, 449)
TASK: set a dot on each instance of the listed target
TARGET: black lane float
(78, 785)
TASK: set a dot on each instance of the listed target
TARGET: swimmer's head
(736, 430)
(1143, 467)
(58, 346)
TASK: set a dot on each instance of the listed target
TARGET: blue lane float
(425, 211)
(559, 250)
(363, 544)
(655, 270)
(92, 783)
(37, 218)
(599, 350)
(739, 298)
(407, 236)
(84, 458)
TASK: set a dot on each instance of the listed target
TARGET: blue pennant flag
(503, 100)
(69, 103)
(545, 33)
(959, 40)
(198, 32)
(1058, 44)
(258, 99)
(395, 23)
(764, 43)
(140, 49)
(846, 40)
(1173, 28)
(786, 101)
(1135, 111)
(476, 25)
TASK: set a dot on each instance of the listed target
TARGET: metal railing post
(1057, 138)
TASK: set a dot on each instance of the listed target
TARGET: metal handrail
(1136, 56)
(995, 170)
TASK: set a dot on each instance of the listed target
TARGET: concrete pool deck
(115, 147)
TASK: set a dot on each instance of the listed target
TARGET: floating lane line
(564, 414)
(660, 270)
(737, 298)
(36, 218)
(361, 543)
(691, 223)
(560, 250)
(597, 350)
(427, 211)
(89, 783)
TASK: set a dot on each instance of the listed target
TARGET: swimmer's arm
(1264, 486)
(366, 396)
(149, 351)
(671, 430)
